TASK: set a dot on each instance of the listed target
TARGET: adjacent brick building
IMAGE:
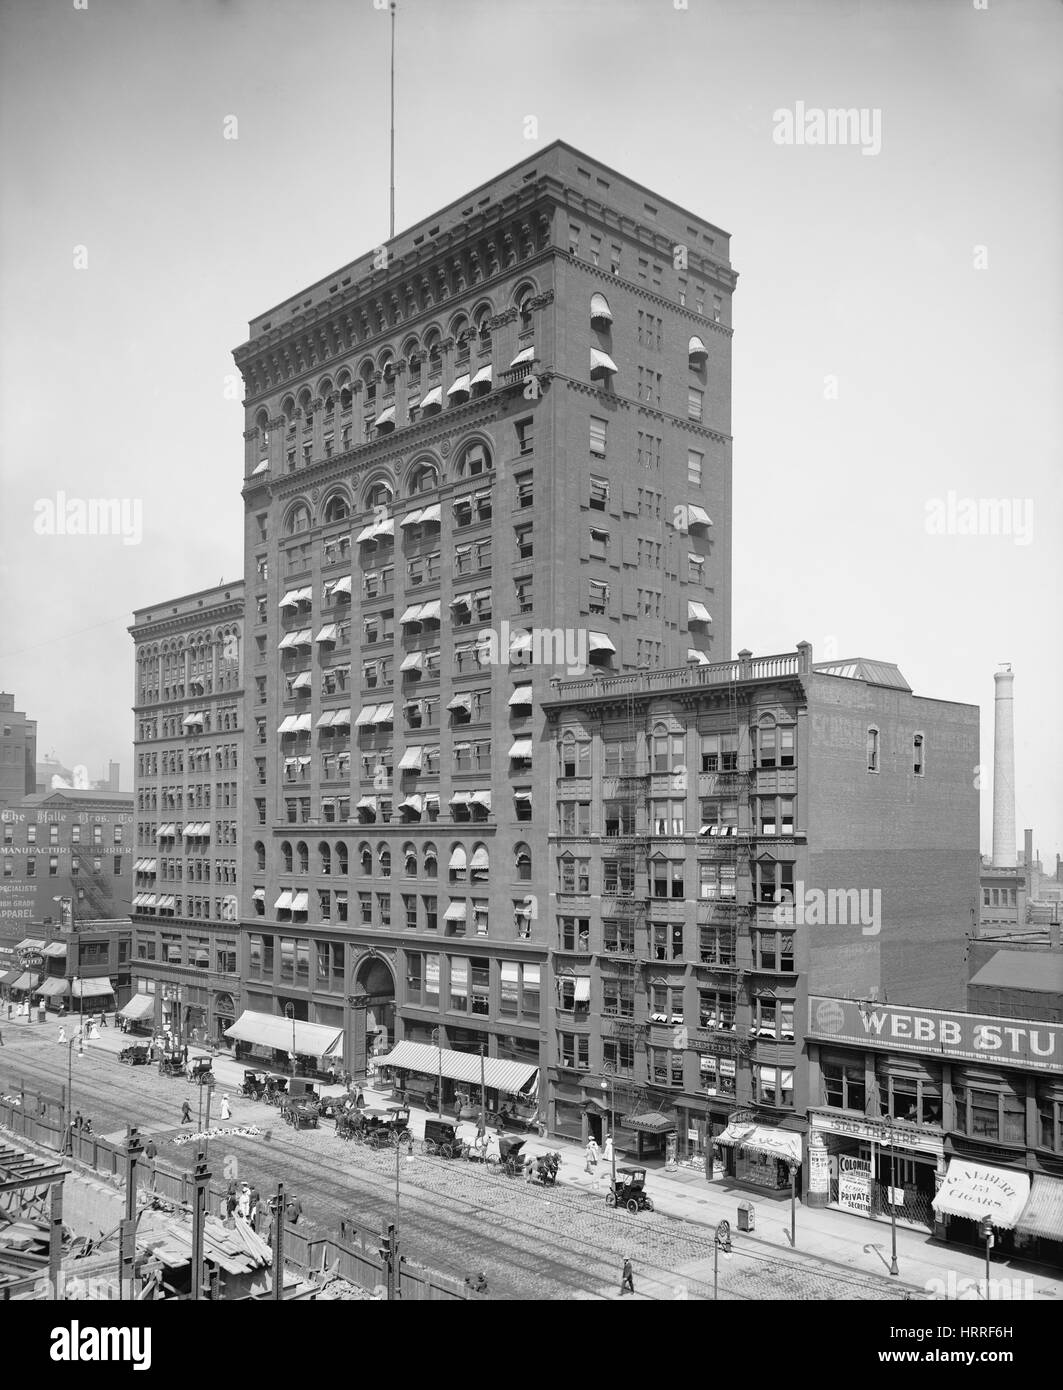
(18, 752)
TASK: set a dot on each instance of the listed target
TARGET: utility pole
(127, 1239)
(483, 1093)
(389, 1254)
(277, 1208)
(201, 1177)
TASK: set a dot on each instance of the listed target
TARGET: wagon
(629, 1190)
(254, 1085)
(441, 1138)
(510, 1158)
(301, 1113)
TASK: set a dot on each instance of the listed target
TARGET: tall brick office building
(188, 796)
(514, 418)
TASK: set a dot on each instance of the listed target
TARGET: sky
(898, 319)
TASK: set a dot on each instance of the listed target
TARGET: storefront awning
(655, 1123)
(53, 987)
(30, 944)
(140, 1006)
(9, 977)
(975, 1190)
(26, 981)
(1043, 1213)
(764, 1139)
(92, 989)
(511, 1078)
(55, 948)
(272, 1030)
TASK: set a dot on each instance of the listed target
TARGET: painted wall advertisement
(975, 1037)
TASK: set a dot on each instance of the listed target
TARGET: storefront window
(909, 1091)
(983, 1113)
(1050, 1115)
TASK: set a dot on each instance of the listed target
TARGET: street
(454, 1216)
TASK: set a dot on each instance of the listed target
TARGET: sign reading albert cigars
(975, 1037)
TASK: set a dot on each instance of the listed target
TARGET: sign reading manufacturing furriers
(974, 1037)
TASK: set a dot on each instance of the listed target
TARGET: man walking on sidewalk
(627, 1279)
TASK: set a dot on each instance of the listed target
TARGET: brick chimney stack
(1004, 771)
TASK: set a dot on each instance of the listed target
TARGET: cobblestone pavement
(455, 1216)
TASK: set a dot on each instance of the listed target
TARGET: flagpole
(392, 124)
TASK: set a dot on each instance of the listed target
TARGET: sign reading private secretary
(976, 1037)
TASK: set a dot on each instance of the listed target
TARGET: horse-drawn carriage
(441, 1139)
(200, 1071)
(301, 1112)
(253, 1085)
(380, 1129)
(172, 1064)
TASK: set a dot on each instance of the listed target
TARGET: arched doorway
(224, 1017)
(373, 1007)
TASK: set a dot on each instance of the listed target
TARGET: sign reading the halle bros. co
(976, 1037)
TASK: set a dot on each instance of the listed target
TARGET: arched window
(286, 855)
(458, 865)
(384, 859)
(409, 861)
(307, 409)
(365, 857)
(341, 857)
(260, 855)
(523, 862)
(479, 863)
(368, 374)
(522, 299)
(434, 352)
(480, 320)
(667, 749)
(262, 425)
(461, 333)
(303, 855)
(424, 478)
(298, 520)
(337, 508)
(324, 851)
(430, 860)
(346, 394)
(575, 756)
(473, 460)
(380, 494)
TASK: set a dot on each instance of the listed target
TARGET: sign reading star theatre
(975, 1037)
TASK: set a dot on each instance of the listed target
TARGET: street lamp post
(483, 1094)
(289, 1012)
(69, 1146)
(986, 1227)
(793, 1203)
(437, 1035)
(894, 1269)
(608, 1086)
(721, 1241)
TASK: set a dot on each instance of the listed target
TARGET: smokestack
(1004, 770)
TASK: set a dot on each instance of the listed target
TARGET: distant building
(50, 768)
(1017, 974)
(76, 966)
(18, 753)
(1019, 895)
(66, 846)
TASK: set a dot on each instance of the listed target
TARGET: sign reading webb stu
(976, 1037)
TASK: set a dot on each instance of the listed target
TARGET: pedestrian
(607, 1152)
(627, 1279)
(226, 1112)
(243, 1202)
(359, 1100)
(103, 1019)
(62, 1035)
(253, 1205)
(593, 1154)
(186, 1113)
(529, 1169)
(1, 1037)
(293, 1210)
(9, 1009)
(151, 1153)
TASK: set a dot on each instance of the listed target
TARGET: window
(843, 1084)
(918, 751)
(597, 597)
(598, 436)
(618, 938)
(668, 817)
(985, 1112)
(523, 536)
(775, 1087)
(525, 489)
(667, 751)
(694, 467)
(667, 878)
(665, 1067)
(575, 757)
(599, 544)
(872, 749)
(667, 940)
(574, 933)
(525, 435)
(574, 874)
(695, 403)
(574, 817)
(574, 1051)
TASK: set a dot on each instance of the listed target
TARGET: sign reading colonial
(978, 1038)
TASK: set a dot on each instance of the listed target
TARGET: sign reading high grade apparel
(976, 1037)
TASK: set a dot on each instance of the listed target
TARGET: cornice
(661, 416)
(186, 623)
(608, 278)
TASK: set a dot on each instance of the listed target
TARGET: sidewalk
(850, 1242)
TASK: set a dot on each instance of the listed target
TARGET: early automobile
(254, 1085)
(200, 1070)
(629, 1190)
(171, 1064)
(136, 1056)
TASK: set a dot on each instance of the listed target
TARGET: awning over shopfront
(654, 1123)
(763, 1139)
(9, 977)
(273, 1030)
(140, 1006)
(975, 1190)
(30, 944)
(1043, 1213)
(55, 948)
(53, 987)
(26, 981)
(92, 989)
(512, 1078)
